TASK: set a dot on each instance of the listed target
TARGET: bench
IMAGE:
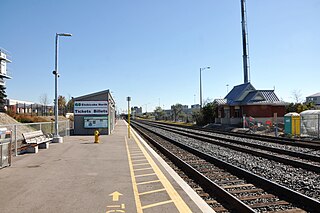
(36, 139)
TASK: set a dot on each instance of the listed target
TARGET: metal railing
(46, 127)
(310, 126)
(5, 151)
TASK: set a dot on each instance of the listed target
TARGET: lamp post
(201, 69)
(57, 138)
(128, 99)
(146, 107)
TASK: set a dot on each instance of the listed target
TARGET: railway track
(232, 188)
(277, 140)
(295, 158)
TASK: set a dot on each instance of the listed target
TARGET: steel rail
(277, 189)
(283, 160)
(272, 149)
(271, 139)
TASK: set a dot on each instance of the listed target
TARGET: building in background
(95, 111)
(27, 107)
(315, 98)
(4, 74)
(245, 100)
(136, 111)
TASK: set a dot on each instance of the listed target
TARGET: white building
(4, 74)
(315, 98)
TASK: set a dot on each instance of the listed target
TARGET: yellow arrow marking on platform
(115, 195)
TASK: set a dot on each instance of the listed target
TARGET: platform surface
(119, 174)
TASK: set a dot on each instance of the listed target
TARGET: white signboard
(91, 107)
(95, 122)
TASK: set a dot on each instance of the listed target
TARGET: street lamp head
(204, 68)
(64, 34)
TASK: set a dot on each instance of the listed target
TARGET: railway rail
(234, 188)
(299, 142)
(295, 158)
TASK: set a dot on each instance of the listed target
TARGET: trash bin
(5, 147)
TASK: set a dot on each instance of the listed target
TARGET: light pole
(203, 68)
(146, 107)
(128, 99)
(57, 138)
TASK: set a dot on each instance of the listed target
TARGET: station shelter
(95, 111)
(245, 100)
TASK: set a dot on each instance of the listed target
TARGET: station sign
(91, 107)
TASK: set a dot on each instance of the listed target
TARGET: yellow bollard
(96, 136)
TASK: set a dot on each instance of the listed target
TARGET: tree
(299, 107)
(208, 113)
(70, 105)
(296, 96)
(61, 104)
(159, 114)
(176, 111)
(2, 97)
(44, 100)
(197, 116)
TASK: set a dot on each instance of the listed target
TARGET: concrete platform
(119, 174)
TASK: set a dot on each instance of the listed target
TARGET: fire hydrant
(96, 136)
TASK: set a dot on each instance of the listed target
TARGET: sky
(152, 50)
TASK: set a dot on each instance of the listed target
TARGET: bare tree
(44, 100)
(296, 96)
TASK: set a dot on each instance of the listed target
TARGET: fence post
(15, 140)
(275, 118)
(66, 127)
(10, 149)
(318, 126)
(244, 120)
(40, 127)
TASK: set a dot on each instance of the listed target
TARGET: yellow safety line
(138, 157)
(136, 154)
(140, 164)
(157, 204)
(153, 191)
(145, 175)
(134, 183)
(178, 201)
(147, 182)
(142, 169)
(134, 161)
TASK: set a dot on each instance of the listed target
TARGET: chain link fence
(46, 127)
(310, 126)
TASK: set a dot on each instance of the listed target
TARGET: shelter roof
(314, 95)
(244, 94)
(220, 101)
(91, 95)
(310, 112)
